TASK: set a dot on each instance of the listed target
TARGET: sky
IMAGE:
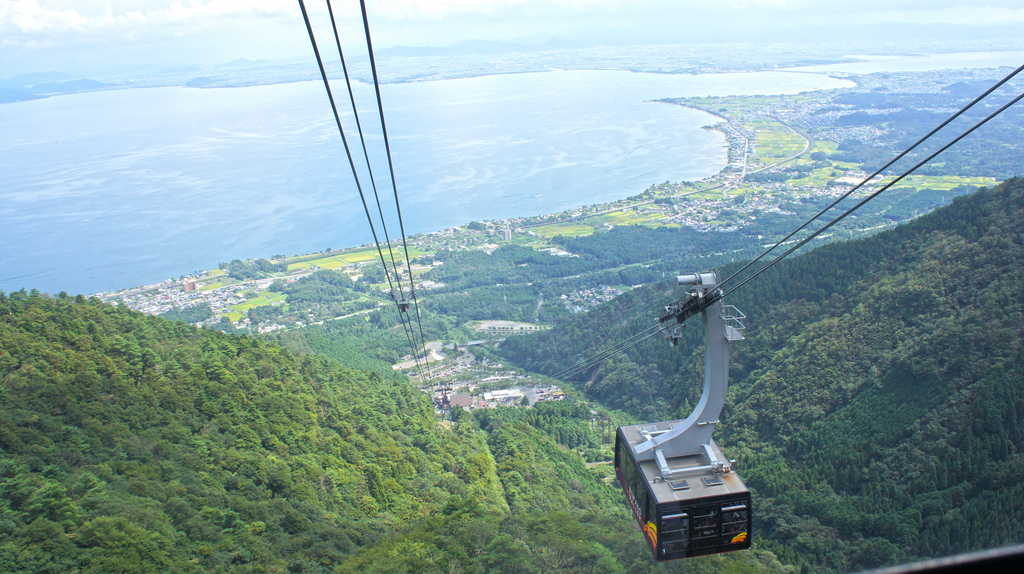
(93, 36)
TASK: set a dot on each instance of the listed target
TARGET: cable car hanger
(656, 462)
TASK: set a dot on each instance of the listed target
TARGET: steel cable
(580, 366)
(878, 171)
(355, 174)
(394, 184)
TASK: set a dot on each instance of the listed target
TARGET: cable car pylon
(684, 492)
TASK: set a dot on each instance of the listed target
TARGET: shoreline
(727, 175)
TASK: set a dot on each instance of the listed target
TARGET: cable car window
(705, 527)
(675, 534)
(735, 518)
(642, 500)
(712, 481)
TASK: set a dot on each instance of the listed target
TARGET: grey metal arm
(693, 434)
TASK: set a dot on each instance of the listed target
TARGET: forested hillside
(876, 406)
(137, 444)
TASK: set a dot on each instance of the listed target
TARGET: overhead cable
(804, 241)
(585, 364)
(380, 210)
(719, 293)
(366, 154)
(355, 174)
(878, 171)
(394, 184)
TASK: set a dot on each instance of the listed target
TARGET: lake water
(105, 190)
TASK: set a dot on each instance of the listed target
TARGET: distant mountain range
(40, 85)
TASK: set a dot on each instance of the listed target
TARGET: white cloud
(28, 17)
(437, 9)
(956, 15)
(34, 18)
(107, 34)
(219, 30)
(40, 18)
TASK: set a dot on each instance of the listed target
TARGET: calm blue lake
(106, 190)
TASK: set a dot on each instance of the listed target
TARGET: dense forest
(133, 443)
(138, 444)
(876, 405)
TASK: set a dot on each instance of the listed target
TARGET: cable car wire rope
(600, 356)
(619, 349)
(394, 184)
(877, 172)
(355, 175)
(719, 293)
(604, 353)
(366, 154)
(373, 184)
(658, 329)
(842, 216)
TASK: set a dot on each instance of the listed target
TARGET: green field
(818, 178)
(628, 217)
(234, 317)
(738, 106)
(274, 297)
(337, 260)
(825, 146)
(564, 229)
(774, 141)
(264, 298)
(709, 195)
(329, 262)
(943, 182)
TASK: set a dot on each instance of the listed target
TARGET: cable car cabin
(696, 511)
(681, 488)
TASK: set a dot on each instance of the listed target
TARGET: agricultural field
(774, 141)
(739, 106)
(942, 182)
(264, 298)
(341, 259)
(564, 229)
(626, 217)
(234, 316)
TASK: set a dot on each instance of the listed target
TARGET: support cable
(601, 355)
(366, 154)
(878, 171)
(394, 185)
(804, 241)
(719, 293)
(352, 165)
(373, 184)
(623, 348)
(606, 352)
